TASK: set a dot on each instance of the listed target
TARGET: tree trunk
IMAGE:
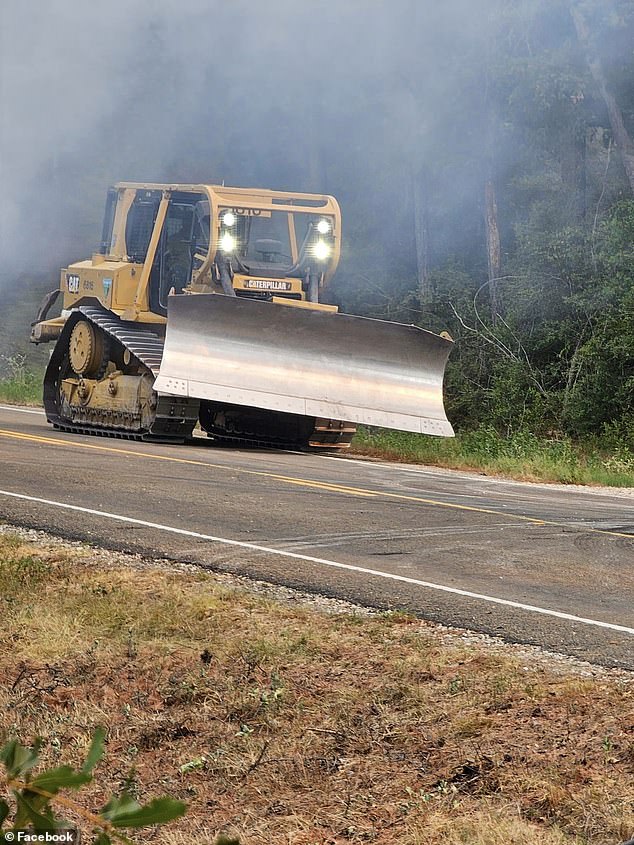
(492, 143)
(573, 169)
(421, 235)
(494, 258)
(622, 139)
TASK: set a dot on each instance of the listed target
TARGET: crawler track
(175, 418)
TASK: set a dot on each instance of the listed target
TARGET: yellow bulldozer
(202, 306)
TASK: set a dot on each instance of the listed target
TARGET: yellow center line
(54, 441)
(303, 482)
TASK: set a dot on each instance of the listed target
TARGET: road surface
(530, 563)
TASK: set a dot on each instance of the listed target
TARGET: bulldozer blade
(302, 361)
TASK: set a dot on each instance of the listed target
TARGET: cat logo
(72, 281)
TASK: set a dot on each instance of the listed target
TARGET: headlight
(227, 242)
(321, 250)
(229, 218)
(323, 226)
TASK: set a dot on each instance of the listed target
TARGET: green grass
(21, 392)
(520, 455)
(19, 385)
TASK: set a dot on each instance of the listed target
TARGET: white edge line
(324, 562)
(21, 410)
(523, 486)
(398, 466)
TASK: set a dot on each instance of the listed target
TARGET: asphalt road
(530, 563)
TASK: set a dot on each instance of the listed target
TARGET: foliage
(19, 384)
(562, 359)
(519, 454)
(35, 797)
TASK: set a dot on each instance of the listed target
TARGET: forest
(482, 153)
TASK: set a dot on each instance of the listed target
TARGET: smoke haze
(279, 94)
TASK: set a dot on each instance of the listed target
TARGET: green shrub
(35, 797)
(19, 385)
(519, 454)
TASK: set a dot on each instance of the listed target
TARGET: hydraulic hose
(225, 278)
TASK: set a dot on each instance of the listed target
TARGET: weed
(36, 797)
(19, 385)
(456, 686)
(193, 765)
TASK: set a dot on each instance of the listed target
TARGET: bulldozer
(202, 308)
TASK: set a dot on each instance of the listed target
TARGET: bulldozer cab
(182, 235)
(214, 239)
(172, 265)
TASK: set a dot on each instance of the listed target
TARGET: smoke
(340, 97)
(80, 87)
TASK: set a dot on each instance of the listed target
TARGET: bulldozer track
(175, 417)
(143, 343)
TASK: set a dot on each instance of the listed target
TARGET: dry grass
(284, 725)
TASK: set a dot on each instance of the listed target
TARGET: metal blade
(302, 361)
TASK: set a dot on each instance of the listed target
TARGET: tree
(622, 138)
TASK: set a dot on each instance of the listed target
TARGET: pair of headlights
(320, 249)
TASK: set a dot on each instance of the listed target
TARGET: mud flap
(300, 361)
